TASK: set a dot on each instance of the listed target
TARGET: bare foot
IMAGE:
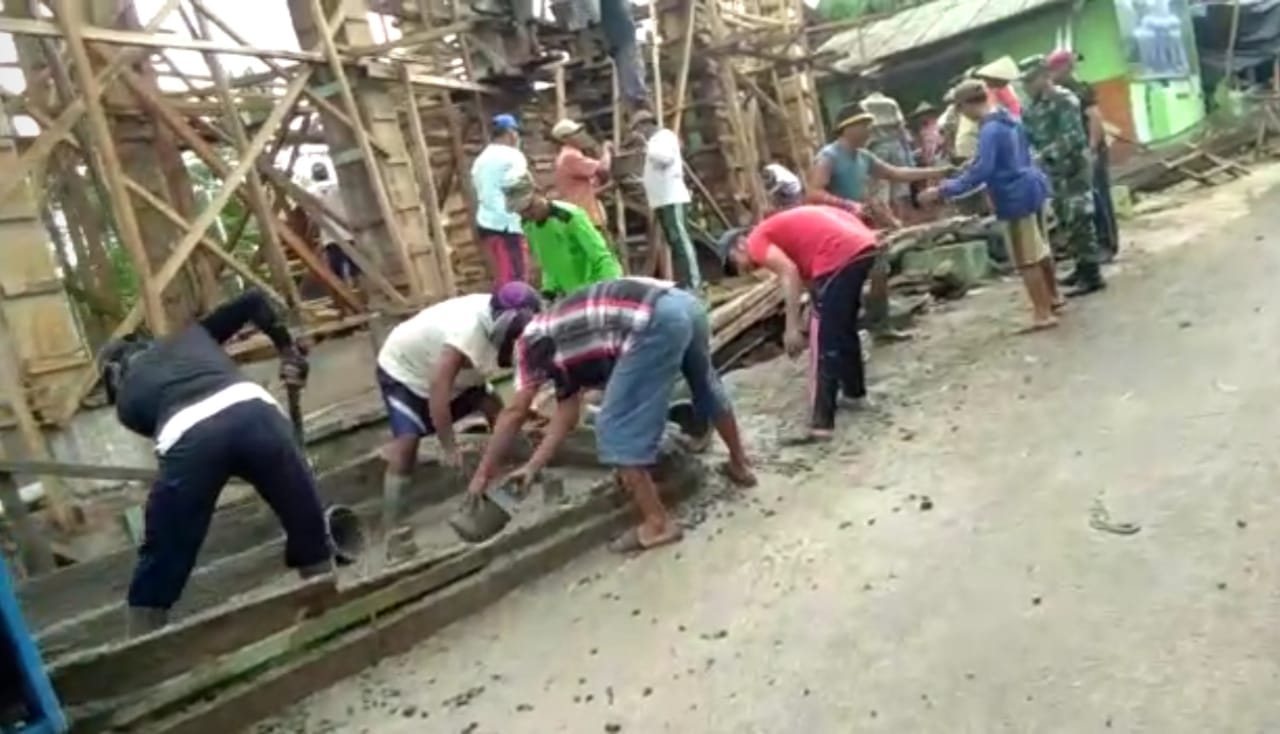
(740, 474)
(1039, 325)
(641, 538)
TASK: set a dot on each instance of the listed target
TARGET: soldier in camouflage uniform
(1053, 124)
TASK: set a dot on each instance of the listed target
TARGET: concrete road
(936, 570)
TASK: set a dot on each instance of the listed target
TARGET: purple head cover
(515, 296)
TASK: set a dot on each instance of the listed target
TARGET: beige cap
(1003, 69)
(565, 128)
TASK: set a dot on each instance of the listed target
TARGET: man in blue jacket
(1018, 191)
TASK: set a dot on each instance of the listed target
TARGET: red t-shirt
(818, 239)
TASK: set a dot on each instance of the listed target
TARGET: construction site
(154, 156)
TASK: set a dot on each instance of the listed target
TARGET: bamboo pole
(269, 226)
(366, 150)
(619, 207)
(686, 58)
(422, 156)
(60, 506)
(149, 287)
(655, 49)
(52, 134)
(1232, 36)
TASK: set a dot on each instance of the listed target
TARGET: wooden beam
(149, 288)
(686, 58)
(422, 157)
(315, 98)
(71, 114)
(379, 70)
(269, 226)
(148, 39)
(416, 38)
(362, 141)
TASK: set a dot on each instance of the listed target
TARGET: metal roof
(920, 26)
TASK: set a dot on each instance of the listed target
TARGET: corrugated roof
(920, 26)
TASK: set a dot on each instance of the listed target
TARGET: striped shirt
(576, 344)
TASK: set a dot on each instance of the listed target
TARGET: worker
(209, 423)
(333, 236)
(1062, 65)
(499, 229)
(999, 76)
(577, 174)
(1054, 125)
(434, 370)
(1018, 191)
(633, 337)
(569, 249)
(668, 199)
(841, 176)
(783, 187)
(830, 251)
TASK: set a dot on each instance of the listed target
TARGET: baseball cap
(1061, 59)
(504, 122)
(515, 295)
(565, 128)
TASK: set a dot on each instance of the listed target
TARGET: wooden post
(422, 155)
(12, 390)
(1232, 36)
(33, 548)
(126, 219)
(277, 263)
(655, 53)
(619, 207)
(366, 149)
(686, 57)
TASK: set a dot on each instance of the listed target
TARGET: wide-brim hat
(856, 118)
(1003, 69)
(923, 108)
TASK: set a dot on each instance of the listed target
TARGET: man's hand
(793, 341)
(294, 368)
(522, 479)
(479, 483)
(929, 196)
(451, 457)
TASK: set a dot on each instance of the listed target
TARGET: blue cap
(504, 122)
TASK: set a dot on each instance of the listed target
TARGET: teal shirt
(570, 251)
(850, 172)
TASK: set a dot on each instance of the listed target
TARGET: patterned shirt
(1054, 124)
(576, 344)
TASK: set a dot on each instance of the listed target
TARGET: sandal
(630, 542)
(728, 471)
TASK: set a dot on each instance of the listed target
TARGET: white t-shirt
(664, 171)
(496, 166)
(331, 195)
(412, 349)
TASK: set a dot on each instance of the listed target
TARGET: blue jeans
(676, 342)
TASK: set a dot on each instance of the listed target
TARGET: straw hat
(1003, 69)
(565, 129)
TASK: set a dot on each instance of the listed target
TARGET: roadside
(935, 569)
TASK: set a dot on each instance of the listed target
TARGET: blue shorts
(409, 412)
(675, 343)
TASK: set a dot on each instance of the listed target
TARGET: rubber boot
(144, 620)
(1090, 281)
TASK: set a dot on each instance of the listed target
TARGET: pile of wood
(744, 307)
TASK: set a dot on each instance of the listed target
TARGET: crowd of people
(564, 317)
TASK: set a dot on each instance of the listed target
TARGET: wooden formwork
(101, 201)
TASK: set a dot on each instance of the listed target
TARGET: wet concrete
(937, 569)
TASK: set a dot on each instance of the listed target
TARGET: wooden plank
(246, 635)
(33, 547)
(150, 288)
(73, 470)
(379, 70)
(416, 38)
(430, 196)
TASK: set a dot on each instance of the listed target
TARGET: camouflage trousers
(1075, 236)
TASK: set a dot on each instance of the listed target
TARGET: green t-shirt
(570, 250)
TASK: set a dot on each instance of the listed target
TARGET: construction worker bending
(209, 424)
(633, 337)
(831, 252)
(433, 370)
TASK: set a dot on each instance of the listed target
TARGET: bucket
(479, 518)
(346, 534)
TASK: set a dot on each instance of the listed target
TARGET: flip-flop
(629, 541)
(727, 472)
(807, 439)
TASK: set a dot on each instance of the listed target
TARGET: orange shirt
(575, 180)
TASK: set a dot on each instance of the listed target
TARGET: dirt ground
(936, 569)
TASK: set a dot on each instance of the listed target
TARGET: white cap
(564, 129)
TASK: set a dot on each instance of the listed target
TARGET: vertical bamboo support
(366, 148)
(430, 196)
(686, 58)
(655, 53)
(277, 263)
(126, 219)
(561, 102)
(619, 207)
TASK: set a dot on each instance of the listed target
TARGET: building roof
(922, 25)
